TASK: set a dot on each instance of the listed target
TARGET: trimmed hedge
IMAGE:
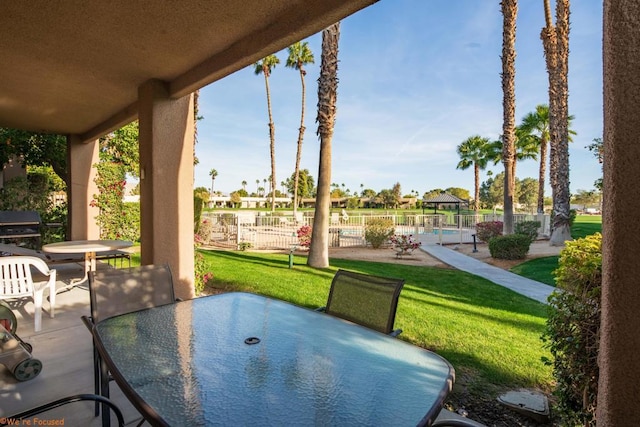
(528, 228)
(512, 246)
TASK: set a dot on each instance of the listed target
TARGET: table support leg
(89, 265)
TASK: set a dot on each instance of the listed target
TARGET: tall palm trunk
(476, 194)
(542, 173)
(272, 138)
(549, 38)
(555, 41)
(296, 178)
(327, 96)
(509, 13)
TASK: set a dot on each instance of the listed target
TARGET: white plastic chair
(16, 281)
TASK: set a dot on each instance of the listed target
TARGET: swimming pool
(444, 232)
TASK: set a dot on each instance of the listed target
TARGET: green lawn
(489, 334)
(540, 269)
(585, 225)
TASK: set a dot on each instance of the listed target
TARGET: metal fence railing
(251, 229)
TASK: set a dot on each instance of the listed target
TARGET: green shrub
(378, 230)
(243, 246)
(573, 330)
(528, 228)
(33, 194)
(117, 219)
(202, 274)
(572, 216)
(488, 230)
(512, 246)
(130, 225)
(198, 203)
(57, 216)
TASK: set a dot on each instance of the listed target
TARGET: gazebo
(444, 198)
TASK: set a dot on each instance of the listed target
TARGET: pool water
(444, 232)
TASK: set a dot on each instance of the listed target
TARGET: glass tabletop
(242, 359)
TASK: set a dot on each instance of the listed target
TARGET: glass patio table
(243, 359)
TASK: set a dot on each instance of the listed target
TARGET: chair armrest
(64, 401)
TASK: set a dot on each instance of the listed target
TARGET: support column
(82, 217)
(619, 382)
(166, 183)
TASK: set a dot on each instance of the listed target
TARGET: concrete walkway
(527, 287)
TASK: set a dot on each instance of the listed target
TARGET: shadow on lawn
(279, 261)
(449, 284)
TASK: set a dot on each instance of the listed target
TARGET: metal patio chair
(118, 291)
(31, 413)
(368, 300)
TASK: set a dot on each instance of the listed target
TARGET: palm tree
(244, 185)
(213, 174)
(473, 152)
(526, 147)
(327, 95)
(299, 55)
(509, 14)
(265, 66)
(536, 124)
(258, 186)
(555, 41)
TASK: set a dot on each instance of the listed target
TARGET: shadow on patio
(65, 350)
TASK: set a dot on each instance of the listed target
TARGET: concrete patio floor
(65, 349)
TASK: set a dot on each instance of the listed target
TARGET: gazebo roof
(445, 198)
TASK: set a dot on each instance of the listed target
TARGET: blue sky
(416, 78)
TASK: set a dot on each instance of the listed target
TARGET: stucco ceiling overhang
(75, 66)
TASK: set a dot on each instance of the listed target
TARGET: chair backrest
(119, 291)
(368, 300)
(15, 275)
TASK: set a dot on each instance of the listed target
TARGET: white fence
(256, 231)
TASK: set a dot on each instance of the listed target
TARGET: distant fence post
(238, 230)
